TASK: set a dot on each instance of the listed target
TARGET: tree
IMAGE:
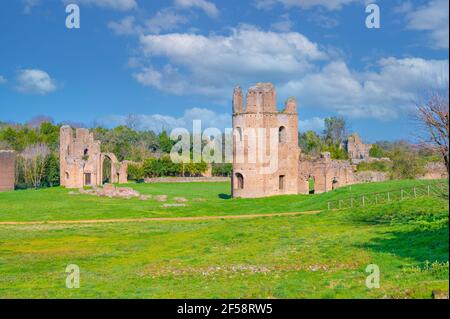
(33, 163)
(310, 143)
(433, 119)
(406, 163)
(335, 130)
(165, 142)
(376, 151)
(51, 171)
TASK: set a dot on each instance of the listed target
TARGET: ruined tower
(265, 144)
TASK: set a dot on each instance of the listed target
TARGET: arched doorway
(334, 183)
(107, 170)
(311, 184)
(239, 181)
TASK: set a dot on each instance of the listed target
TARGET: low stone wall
(371, 177)
(186, 179)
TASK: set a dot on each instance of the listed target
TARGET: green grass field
(306, 256)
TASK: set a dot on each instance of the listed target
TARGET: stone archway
(109, 172)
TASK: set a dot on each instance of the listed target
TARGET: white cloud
(126, 26)
(208, 7)
(120, 5)
(35, 82)
(2, 80)
(211, 64)
(284, 24)
(432, 18)
(159, 122)
(305, 4)
(383, 94)
(164, 20)
(316, 124)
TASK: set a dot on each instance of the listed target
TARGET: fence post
(428, 190)
(401, 194)
(389, 196)
(364, 200)
(415, 193)
(328, 205)
(351, 202)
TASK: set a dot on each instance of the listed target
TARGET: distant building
(356, 149)
(7, 170)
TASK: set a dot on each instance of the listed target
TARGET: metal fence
(435, 189)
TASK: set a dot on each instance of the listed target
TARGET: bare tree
(433, 118)
(33, 163)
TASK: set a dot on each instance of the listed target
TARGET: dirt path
(137, 220)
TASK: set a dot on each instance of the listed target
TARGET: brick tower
(265, 144)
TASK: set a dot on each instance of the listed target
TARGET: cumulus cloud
(431, 18)
(211, 64)
(120, 5)
(35, 81)
(383, 93)
(305, 4)
(208, 7)
(160, 122)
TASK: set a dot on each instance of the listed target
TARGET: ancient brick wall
(7, 170)
(356, 149)
(82, 162)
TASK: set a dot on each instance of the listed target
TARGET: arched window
(86, 152)
(240, 181)
(282, 135)
(67, 175)
(238, 131)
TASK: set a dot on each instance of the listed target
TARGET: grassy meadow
(306, 256)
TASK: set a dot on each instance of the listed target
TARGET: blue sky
(169, 62)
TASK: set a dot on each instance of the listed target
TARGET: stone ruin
(327, 174)
(356, 149)
(7, 170)
(83, 164)
(295, 170)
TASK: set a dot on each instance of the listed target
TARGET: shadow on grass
(421, 244)
(224, 196)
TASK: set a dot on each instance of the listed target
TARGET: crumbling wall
(327, 174)
(356, 149)
(81, 160)
(7, 170)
